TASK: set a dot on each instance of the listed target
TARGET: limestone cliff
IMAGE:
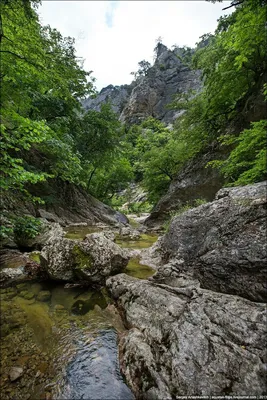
(149, 95)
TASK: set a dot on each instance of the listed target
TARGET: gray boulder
(187, 341)
(9, 276)
(93, 259)
(222, 243)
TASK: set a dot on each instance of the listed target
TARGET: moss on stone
(82, 260)
(27, 295)
(35, 256)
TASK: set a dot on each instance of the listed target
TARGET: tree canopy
(45, 133)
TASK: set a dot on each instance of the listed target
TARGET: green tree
(143, 69)
(41, 84)
(234, 67)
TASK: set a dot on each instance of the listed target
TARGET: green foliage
(234, 59)
(155, 155)
(5, 232)
(46, 134)
(143, 69)
(111, 179)
(26, 228)
(233, 64)
(16, 137)
(247, 162)
(140, 207)
(41, 84)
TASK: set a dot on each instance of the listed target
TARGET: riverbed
(60, 342)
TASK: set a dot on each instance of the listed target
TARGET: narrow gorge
(133, 258)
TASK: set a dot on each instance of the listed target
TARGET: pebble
(15, 373)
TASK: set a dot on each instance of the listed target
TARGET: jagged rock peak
(160, 48)
(151, 92)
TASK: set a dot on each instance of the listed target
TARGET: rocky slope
(66, 204)
(198, 326)
(194, 181)
(149, 94)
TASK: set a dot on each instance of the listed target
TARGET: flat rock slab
(187, 341)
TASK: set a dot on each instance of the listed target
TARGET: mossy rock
(35, 256)
(8, 295)
(44, 295)
(4, 330)
(36, 288)
(82, 260)
(21, 286)
(26, 295)
(59, 308)
(82, 263)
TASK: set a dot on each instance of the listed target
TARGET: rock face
(198, 326)
(189, 342)
(66, 204)
(222, 243)
(149, 94)
(194, 181)
(93, 259)
(116, 95)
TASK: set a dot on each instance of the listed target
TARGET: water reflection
(94, 372)
(65, 341)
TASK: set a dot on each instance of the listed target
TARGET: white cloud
(113, 36)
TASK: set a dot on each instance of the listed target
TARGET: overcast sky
(113, 36)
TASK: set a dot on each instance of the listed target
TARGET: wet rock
(15, 373)
(56, 257)
(222, 243)
(130, 233)
(44, 295)
(186, 341)
(47, 215)
(59, 308)
(109, 235)
(105, 258)
(27, 295)
(93, 259)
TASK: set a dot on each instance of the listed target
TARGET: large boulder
(93, 259)
(187, 341)
(222, 243)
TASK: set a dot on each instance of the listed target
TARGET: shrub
(26, 228)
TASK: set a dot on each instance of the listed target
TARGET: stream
(61, 343)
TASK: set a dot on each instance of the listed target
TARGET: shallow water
(143, 242)
(64, 339)
(79, 232)
(137, 270)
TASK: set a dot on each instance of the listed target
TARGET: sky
(113, 36)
